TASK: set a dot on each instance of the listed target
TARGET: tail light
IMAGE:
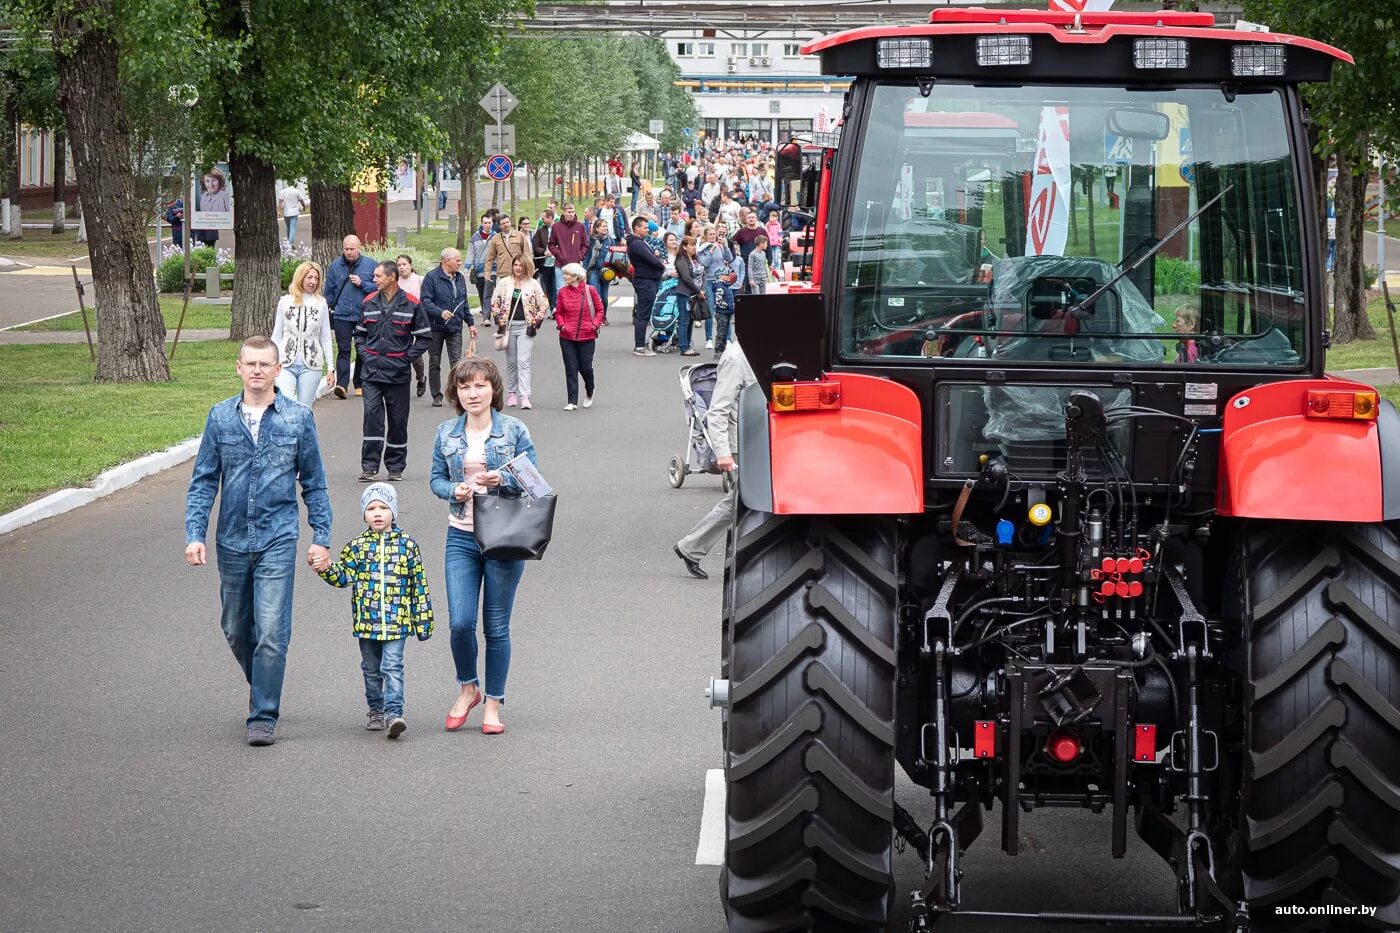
(806, 396)
(1349, 405)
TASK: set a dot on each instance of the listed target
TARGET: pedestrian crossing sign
(1117, 150)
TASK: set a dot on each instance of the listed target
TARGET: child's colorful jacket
(389, 590)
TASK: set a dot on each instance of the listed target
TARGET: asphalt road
(132, 803)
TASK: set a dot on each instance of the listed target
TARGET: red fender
(865, 458)
(1275, 462)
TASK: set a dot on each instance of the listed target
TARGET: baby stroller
(697, 387)
(665, 315)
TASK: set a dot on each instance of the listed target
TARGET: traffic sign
(499, 102)
(656, 126)
(687, 132)
(499, 167)
(501, 138)
(1117, 149)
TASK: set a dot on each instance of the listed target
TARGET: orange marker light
(806, 396)
(1350, 405)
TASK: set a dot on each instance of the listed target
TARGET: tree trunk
(1350, 321)
(16, 228)
(60, 181)
(130, 332)
(257, 283)
(332, 220)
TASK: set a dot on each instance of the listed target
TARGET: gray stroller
(697, 387)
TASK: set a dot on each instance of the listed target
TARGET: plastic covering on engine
(1121, 310)
(1035, 413)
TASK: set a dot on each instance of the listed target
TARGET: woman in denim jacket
(468, 454)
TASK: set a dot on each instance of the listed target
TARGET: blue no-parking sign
(499, 167)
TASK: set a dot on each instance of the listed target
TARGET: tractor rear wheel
(1321, 793)
(809, 756)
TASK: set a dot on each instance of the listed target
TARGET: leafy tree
(104, 53)
(1355, 117)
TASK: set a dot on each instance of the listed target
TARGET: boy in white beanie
(389, 598)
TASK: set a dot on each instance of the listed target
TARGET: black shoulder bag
(512, 527)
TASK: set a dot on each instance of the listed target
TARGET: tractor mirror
(1139, 124)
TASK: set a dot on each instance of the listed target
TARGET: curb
(119, 477)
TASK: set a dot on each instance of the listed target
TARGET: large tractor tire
(1321, 792)
(809, 756)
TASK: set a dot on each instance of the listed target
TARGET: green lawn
(1366, 354)
(45, 244)
(200, 316)
(58, 428)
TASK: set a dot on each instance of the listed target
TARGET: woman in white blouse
(302, 332)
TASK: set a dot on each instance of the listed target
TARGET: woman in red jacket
(578, 310)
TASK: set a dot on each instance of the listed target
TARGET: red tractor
(1046, 497)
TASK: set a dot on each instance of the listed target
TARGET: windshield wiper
(1087, 303)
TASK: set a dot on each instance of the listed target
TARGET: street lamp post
(186, 95)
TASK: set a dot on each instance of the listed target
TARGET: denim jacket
(509, 439)
(257, 483)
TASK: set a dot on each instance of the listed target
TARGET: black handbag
(512, 528)
(699, 310)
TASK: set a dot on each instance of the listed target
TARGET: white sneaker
(570, 407)
(709, 344)
(588, 401)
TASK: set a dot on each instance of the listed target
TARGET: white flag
(1047, 218)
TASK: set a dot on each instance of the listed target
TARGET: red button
(1123, 564)
(1122, 588)
(1107, 588)
(1110, 565)
(1135, 565)
(1135, 588)
(1063, 746)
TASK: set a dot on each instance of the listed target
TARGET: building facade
(754, 84)
(36, 167)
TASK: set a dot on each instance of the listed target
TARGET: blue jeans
(595, 279)
(382, 664)
(299, 381)
(255, 588)
(684, 323)
(291, 228)
(641, 311)
(468, 574)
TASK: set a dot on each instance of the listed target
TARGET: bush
(1371, 274)
(170, 274)
(1176, 276)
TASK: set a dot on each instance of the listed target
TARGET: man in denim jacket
(256, 447)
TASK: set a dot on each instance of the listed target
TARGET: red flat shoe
(456, 722)
(492, 728)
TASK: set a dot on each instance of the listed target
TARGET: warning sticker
(1202, 390)
(1199, 410)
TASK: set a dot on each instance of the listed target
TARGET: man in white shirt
(711, 189)
(293, 201)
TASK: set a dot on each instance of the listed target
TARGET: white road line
(710, 851)
(39, 320)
